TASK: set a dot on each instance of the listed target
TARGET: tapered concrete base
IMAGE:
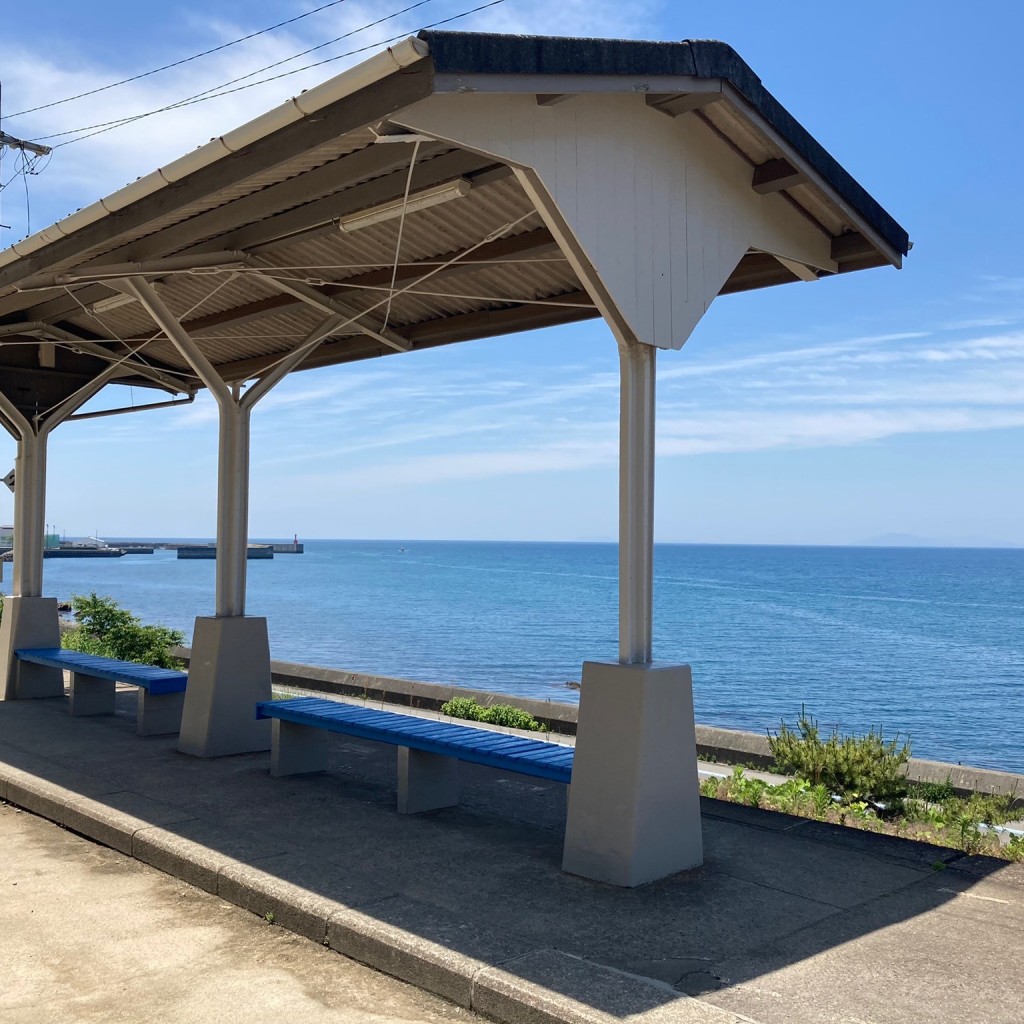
(634, 806)
(228, 674)
(28, 622)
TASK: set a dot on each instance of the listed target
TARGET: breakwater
(254, 551)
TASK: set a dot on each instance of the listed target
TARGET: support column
(636, 501)
(29, 514)
(31, 620)
(232, 508)
(634, 805)
(229, 671)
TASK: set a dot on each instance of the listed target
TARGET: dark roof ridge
(493, 53)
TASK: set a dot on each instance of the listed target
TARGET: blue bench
(428, 751)
(93, 679)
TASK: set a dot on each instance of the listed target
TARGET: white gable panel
(660, 210)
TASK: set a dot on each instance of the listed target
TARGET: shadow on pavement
(788, 920)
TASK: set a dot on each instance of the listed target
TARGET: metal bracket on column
(233, 462)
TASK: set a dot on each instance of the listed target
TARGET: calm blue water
(929, 642)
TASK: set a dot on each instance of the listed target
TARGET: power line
(214, 91)
(178, 63)
(211, 94)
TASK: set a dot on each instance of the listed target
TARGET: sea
(923, 642)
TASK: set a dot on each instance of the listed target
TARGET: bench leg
(297, 749)
(91, 695)
(159, 714)
(426, 782)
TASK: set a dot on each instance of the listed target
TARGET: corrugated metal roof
(280, 195)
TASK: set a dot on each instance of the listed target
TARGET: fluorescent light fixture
(422, 200)
(113, 302)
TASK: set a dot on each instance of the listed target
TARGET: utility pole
(26, 147)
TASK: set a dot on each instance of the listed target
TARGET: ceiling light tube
(113, 302)
(422, 200)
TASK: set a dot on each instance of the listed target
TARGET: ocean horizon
(923, 641)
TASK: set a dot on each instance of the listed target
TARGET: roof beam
(431, 334)
(90, 274)
(358, 197)
(757, 270)
(527, 244)
(675, 104)
(94, 347)
(371, 162)
(775, 175)
(318, 300)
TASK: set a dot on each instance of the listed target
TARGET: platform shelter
(454, 187)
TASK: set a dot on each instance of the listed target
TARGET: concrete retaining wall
(727, 746)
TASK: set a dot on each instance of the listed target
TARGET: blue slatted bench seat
(161, 690)
(428, 751)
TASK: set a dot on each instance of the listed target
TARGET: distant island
(913, 540)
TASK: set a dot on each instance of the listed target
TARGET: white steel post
(232, 508)
(29, 516)
(634, 808)
(636, 501)
(230, 667)
(31, 620)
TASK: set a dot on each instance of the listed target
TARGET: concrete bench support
(426, 782)
(297, 749)
(634, 805)
(159, 714)
(91, 695)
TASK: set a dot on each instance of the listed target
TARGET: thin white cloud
(81, 173)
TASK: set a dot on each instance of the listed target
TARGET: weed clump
(865, 768)
(497, 714)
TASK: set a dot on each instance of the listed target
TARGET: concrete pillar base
(158, 714)
(228, 674)
(91, 695)
(297, 749)
(634, 805)
(28, 622)
(426, 782)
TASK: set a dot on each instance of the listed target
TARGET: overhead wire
(215, 92)
(177, 63)
(199, 97)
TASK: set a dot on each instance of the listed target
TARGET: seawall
(728, 746)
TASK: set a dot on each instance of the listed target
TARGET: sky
(869, 405)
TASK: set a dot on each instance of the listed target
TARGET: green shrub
(857, 768)
(511, 717)
(934, 792)
(462, 707)
(106, 629)
(497, 714)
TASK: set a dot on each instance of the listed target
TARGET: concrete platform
(91, 935)
(789, 921)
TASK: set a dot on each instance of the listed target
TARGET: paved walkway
(92, 935)
(789, 921)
